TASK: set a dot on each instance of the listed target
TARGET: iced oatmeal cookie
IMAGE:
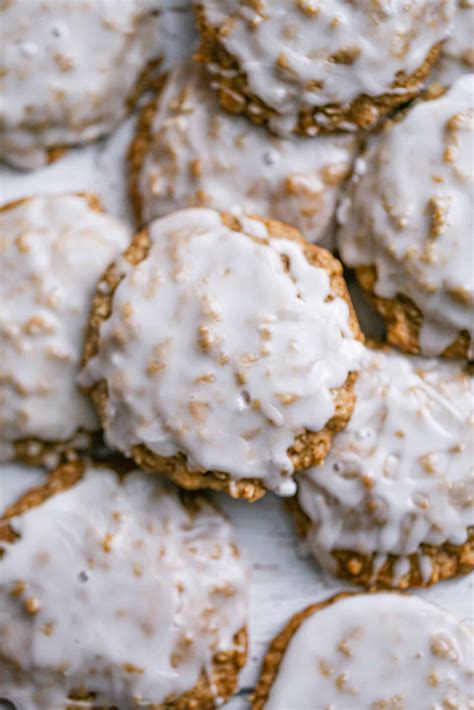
(52, 251)
(392, 505)
(379, 651)
(188, 152)
(115, 593)
(309, 67)
(407, 225)
(222, 352)
(70, 72)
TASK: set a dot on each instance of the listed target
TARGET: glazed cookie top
(198, 155)
(52, 251)
(223, 345)
(302, 54)
(68, 69)
(402, 472)
(379, 651)
(409, 212)
(116, 588)
(461, 45)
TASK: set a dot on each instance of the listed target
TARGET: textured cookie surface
(398, 484)
(52, 251)
(189, 152)
(407, 224)
(317, 66)
(117, 594)
(378, 651)
(69, 70)
(227, 341)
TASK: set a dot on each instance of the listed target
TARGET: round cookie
(379, 651)
(188, 152)
(309, 67)
(392, 505)
(117, 593)
(71, 70)
(52, 251)
(222, 352)
(406, 225)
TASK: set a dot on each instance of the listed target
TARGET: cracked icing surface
(16, 480)
(198, 155)
(304, 55)
(401, 474)
(409, 211)
(68, 69)
(52, 251)
(214, 349)
(378, 651)
(116, 588)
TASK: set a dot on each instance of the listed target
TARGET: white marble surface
(284, 581)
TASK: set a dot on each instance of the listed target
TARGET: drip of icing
(199, 155)
(411, 214)
(376, 651)
(214, 349)
(301, 55)
(401, 473)
(115, 588)
(68, 70)
(53, 251)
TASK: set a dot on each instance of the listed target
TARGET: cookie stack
(211, 343)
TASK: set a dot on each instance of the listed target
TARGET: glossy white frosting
(199, 155)
(52, 251)
(402, 473)
(286, 48)
(68, 69)
(461, 45)
(215, 350)
(117, 589)
(378, 651)
(409, 211)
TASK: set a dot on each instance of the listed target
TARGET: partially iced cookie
(407, 225)
(310, 66)
(115, 593)
(377, 651)
(392, 505)
(52, 251)
(189, 152)
(222, 351)
(71, 70)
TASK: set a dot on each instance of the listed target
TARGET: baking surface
(284, 579)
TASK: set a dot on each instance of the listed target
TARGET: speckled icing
(461, 45)
(304, 54)
(200, 156)
(402, 473)
(68, 69)
(52, 251)
(16, 480)
(377, 651)
(215, 350)
(409, 211)
(116, 589)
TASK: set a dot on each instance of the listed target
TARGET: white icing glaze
(213, 349)
(52, 251)
(401, 473)
(377, 651)
(68, 69)
(199, 155)
(285, 47)
(461, 45)
(16, 480)
(130, 595)
(410, 212)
